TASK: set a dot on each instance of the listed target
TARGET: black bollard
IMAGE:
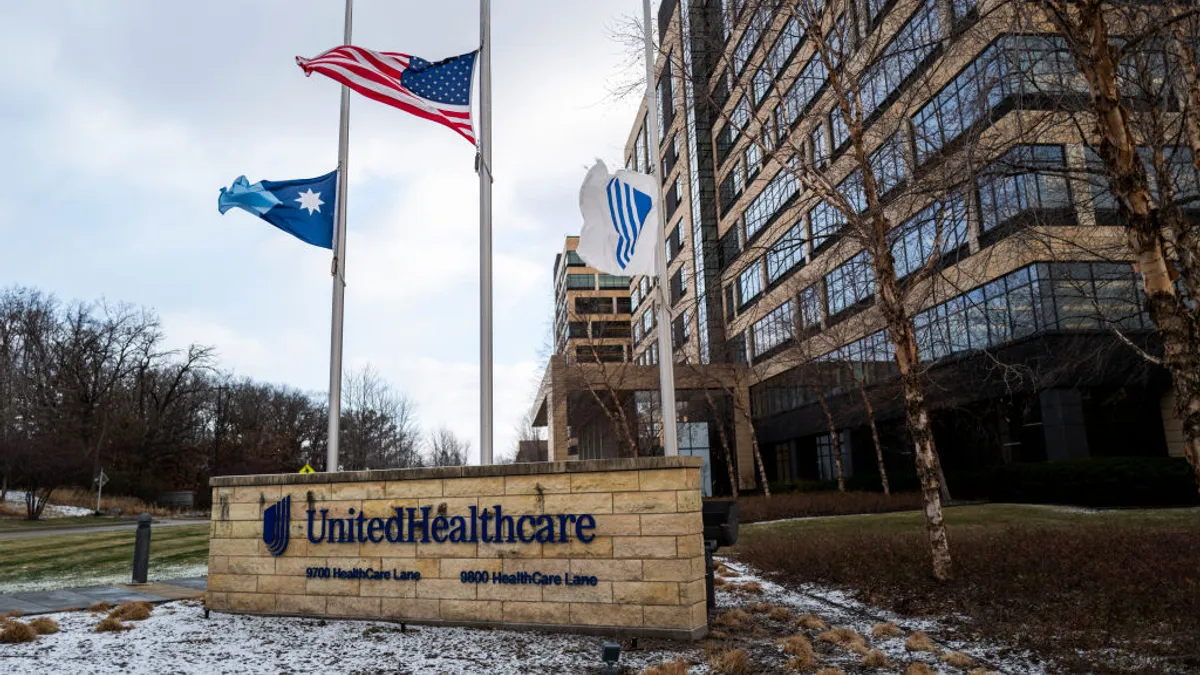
(141, 550)
(709, 574)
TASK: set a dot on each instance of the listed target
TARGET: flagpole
(666, 354)
(484, 160)
(339, 270)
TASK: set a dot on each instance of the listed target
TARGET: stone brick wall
(647, 553)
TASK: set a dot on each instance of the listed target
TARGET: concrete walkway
(34, 533)
(45, 602)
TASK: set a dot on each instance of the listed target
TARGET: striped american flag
(439, 91)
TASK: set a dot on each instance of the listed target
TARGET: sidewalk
(44, 602)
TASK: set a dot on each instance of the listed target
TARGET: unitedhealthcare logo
(627, 208)
(277, 525)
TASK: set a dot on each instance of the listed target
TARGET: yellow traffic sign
(307, 469)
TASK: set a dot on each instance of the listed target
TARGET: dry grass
(750, 587)
(128, 505)
(112, 624)
(811, 622)
(44, 625)
(132, 611)
(920, 642)
(760, 607)
(100, 607)
(1065, 585)
(17, 631)
(733, 619)
(875, 659)
(919, 669)
(676, 667)
(801, 651)
(730, 662)
(982, 671)
(845, 638)
(806, 504)
(9, 511)
(780, 614)
(888, 629)
(726, 571)
(958, 660)
(830, 671)
(718, 581)
(14, 614)
(718, 634)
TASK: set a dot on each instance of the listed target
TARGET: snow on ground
(838, 609)
(82, 577)
(178, 639)
(16, 500)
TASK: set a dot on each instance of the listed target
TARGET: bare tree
(1104, 38)
(446, 449)
(379, 424)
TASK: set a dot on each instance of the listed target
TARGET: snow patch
(16, 499)
(178, 639)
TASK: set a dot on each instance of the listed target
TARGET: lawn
(99, 558)
(1093, 589)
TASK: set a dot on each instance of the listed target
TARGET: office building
(1012, 262)
(591, 310)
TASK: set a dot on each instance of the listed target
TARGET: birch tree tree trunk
(834, 441)
(1084, 25)
(862, 390)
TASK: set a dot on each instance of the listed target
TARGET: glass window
(774, 329)
(1015, 65)
(887, 163)
(610, 281)
(1064, 296)
(787, 252)
(750, 282)
(934, 231)
(1028, 177)
(914, 42)
(761, 85)
(825, 221)
(785, 46)
(766, 205)
(809, 83)
(573, 260)
(753, 161)
(849, 283)
(581, 281)
(810, 307)
(820, 150)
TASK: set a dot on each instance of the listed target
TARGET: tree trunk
(916, 413)
(762, 471)
(834, 440)
(1146, 234)
(724, 438)
(862, 390)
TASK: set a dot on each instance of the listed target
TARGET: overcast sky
(121, 121)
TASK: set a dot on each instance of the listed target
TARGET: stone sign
(600, 546)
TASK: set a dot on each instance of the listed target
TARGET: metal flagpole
(339, 270)
(484, 160)
(666, 354)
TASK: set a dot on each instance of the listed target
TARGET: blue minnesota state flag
(303, 207)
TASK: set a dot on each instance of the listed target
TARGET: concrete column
(556, 421)
(742, 435)
(1063, 424)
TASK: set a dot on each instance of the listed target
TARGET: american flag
(438, 91)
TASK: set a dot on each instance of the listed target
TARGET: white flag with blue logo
(620, 221)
